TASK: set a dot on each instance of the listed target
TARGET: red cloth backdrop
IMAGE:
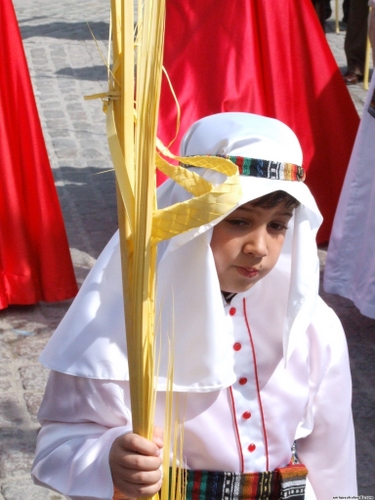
(35, 262)
(266, 57)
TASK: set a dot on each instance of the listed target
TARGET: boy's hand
(135, 464)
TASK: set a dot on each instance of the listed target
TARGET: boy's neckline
(228, 296)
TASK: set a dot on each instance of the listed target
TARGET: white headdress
(90, 341)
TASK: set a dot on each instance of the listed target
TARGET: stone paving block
(33, 377)
(56, 124)
(66, 153)
(53, 113)
(13, 416)
(26, 490)
(33, 401)
(59, 133)
(15, 462)
(4, 353)
(5, 384)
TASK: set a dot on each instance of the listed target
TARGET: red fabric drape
(35, 262)
(266, 57)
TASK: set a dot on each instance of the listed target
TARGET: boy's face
(246, 245)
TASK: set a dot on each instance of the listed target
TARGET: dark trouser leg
(320, 8)
(345, 9)
(356, 34)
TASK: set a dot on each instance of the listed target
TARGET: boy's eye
(237, 222)
(278, 226)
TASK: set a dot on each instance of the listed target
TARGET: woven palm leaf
(132, 111)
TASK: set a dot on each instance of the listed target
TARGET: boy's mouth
(248, 272)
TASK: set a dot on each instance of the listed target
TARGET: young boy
(260, 360)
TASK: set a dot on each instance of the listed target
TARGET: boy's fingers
(135, 491)
(135, 443)
(142, 478)
(136, 484)
(158, 436)
(135, 465)
(140, 463)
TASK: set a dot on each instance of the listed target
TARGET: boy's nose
(256, 244)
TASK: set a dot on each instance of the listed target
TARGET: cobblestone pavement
(65, 65)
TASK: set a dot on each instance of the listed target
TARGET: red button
(251, 447)
(243, 380)
(246, 415)
(237, 346)
(232, 311)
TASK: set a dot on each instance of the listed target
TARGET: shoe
(352, 78)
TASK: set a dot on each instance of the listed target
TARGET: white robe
(308, 400)
(350, 265)
(267, 369)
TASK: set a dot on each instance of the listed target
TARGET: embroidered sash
(285, 483)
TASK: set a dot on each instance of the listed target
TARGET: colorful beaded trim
(285, 483)
(266, 169)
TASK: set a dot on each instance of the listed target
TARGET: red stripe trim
(257, 385)
(239, 163)
(236, 429)
(196, 485)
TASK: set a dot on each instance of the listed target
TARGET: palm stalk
(131, 128)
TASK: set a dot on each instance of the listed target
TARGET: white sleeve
(80, 420)
(329, 450)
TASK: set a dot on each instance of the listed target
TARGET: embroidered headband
(267, 169)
